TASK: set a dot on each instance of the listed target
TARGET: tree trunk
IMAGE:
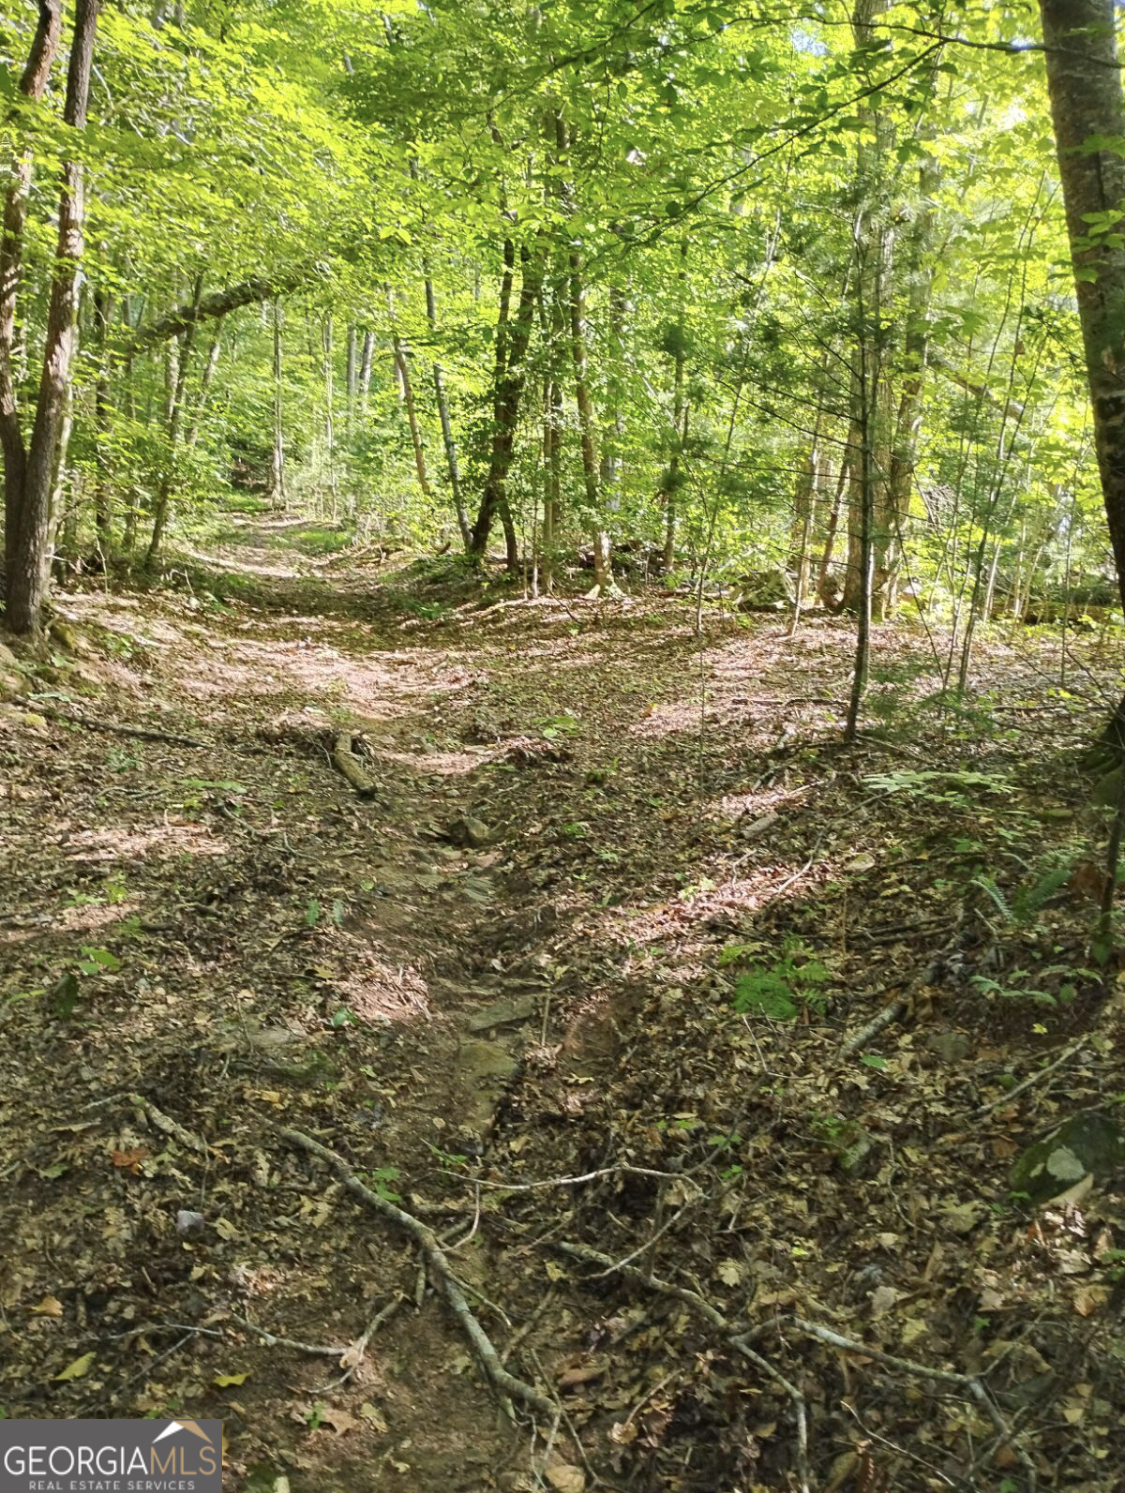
(365, 369)
(191, 436)
(406, 392)
(1084, 84)
(103, 312)
(30, 526)
(33, 82)
(512, 338)
(276, 492)
(671, 482)
(329, 409)
(449, 443)
(351, 375)
(175, 376)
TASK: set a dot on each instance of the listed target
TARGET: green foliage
(780, 990)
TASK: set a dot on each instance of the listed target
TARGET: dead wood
(345, 759)
(506, 1385)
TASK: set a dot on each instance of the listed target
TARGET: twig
(693, 1299)
(968, 1382)
(605, 1171)
(271, 1340)
(507, 1386)
(116, 728)
(1034, 1078)
(799, 1407)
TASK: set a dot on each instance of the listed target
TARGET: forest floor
(618, 900)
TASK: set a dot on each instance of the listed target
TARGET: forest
(562, 741)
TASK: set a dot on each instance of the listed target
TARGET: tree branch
(217, 304)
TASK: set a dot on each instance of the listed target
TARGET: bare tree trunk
(450, 444)
(175, 377)
(406, 391)
(1084, 84)
(671, 482)
(864, 460)
(33, 82)
(512, 338)
(365, 369)
(330, 410)
(276, 493)
(583, 399)
(28, 572)
(103, 312)
(191, 436)
(351, 376)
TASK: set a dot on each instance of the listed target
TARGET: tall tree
(30, 467)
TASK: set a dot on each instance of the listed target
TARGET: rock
(190, 1224)
(486, 1060)
(951, 1047)
(466, 830)
(764, 590)
(1086, 1146)
(508, 1012)
(487, 1068)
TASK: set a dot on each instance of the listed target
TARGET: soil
(617, 901)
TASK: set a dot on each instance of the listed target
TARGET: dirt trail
(505, 967)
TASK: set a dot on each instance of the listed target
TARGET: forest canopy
(725, 289)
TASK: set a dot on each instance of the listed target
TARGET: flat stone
(467, 830)
(951, 1047)
(508, 1012)
(487, 1067)
(486, 1060)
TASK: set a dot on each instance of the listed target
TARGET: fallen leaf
(340, 1421)
(882, 1299)
(566, 1479)
(78, 1368)
(372, 1414)
(222, 1381)
(50, 1306)
(129, 1160)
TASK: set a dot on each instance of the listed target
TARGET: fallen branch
(507, 1386)
(736, 1335)
(878, 1023)
(1028, 1083)
(169, 1127)
(116, 728)
(968, 1382)
(345, 759)
(799, 1408)
(901, 1005)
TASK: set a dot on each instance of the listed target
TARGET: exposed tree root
(116, 728)
(506, 1385)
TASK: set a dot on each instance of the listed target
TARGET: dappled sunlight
(443, 764)
(171, 838)
(91, 918)
(376, 989)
